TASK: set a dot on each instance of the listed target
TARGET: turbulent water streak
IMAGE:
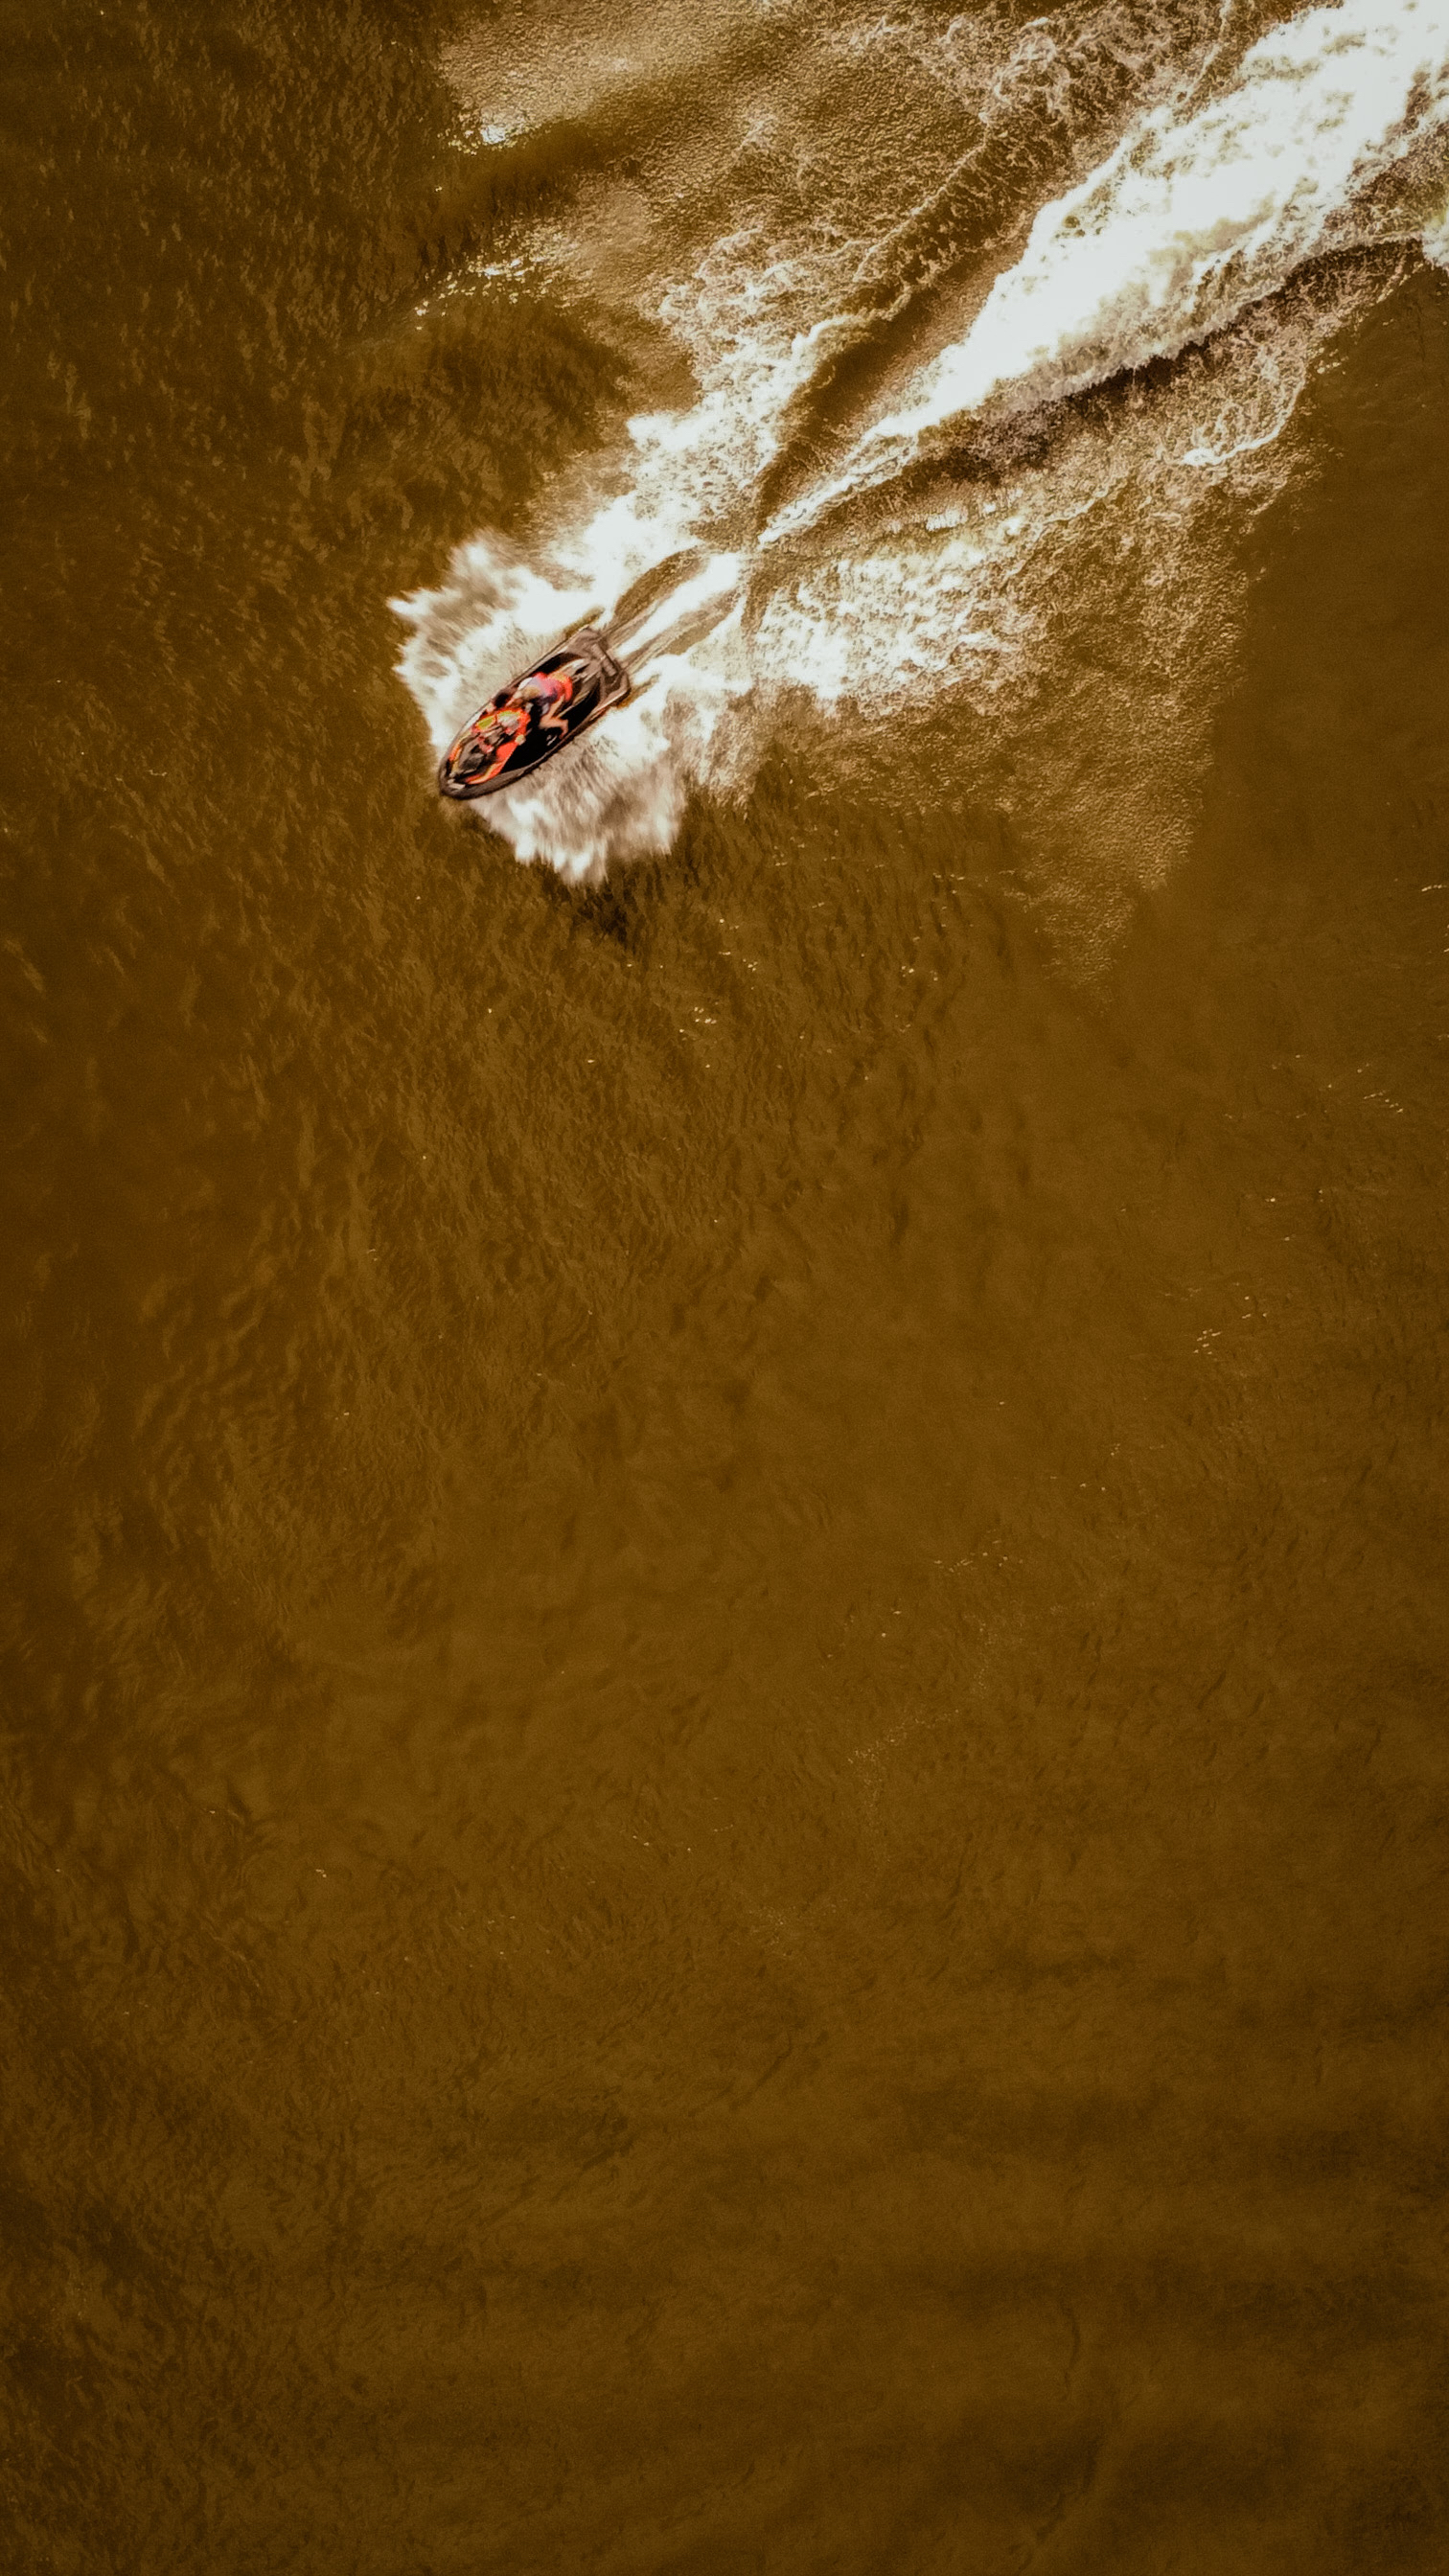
(1189, 221)
(898, 573)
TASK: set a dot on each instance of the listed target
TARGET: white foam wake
(1210, 203)
(1188, 222)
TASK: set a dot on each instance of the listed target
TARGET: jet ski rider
(550, 693)
(553, 693)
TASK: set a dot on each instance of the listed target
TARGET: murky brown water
(725, 1713)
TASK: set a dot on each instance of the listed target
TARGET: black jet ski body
(537, 716)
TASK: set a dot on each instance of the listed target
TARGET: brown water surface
(724, 1710)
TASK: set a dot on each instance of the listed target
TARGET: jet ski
(535, 717)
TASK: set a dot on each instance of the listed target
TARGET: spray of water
(1013, 485)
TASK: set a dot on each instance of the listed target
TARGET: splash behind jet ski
(535, 717)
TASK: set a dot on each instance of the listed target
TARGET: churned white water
(902, 570)
(1193, 218)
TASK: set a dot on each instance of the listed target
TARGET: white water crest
(1190, 220)
(909, 567)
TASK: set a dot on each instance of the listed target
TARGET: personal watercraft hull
(535, 718)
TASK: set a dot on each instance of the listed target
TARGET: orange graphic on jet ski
(534, 717)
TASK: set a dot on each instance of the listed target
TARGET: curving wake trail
(1236, 218)
(1188, 222)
